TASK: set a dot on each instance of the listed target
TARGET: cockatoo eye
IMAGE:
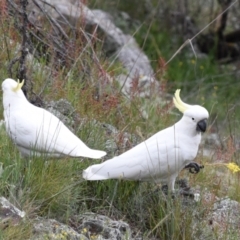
(193, 119)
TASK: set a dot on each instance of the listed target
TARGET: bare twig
(53, 22)
(24, 51)
(21, 73)
(10, 65)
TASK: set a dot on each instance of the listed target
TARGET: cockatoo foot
(194, 167)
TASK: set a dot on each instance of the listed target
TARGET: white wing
(41, 131)
(157, 158)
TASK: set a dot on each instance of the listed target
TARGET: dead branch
(21, 75)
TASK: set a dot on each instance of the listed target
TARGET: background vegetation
(55, 189)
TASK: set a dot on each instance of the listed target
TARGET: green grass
(54, 188)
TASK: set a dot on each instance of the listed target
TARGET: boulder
(9, 214)
(64, 110)
(51, 229)
(100, 227)
(120, 46)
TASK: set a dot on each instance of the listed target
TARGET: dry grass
(54, 188)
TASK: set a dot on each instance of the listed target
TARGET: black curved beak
(202, 125)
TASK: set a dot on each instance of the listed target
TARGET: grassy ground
(55, 189)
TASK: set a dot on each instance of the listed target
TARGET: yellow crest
(179, 104)
(19, 86)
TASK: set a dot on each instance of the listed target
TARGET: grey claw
(194, 167)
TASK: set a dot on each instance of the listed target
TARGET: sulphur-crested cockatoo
(161, 157)
(37, 131)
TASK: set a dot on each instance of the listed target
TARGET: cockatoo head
(12, 91)
(193, 115)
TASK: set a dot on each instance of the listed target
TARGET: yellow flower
(201, 67)
(64, 233)
(233, 167)
(193, 61)
(93, 237)
(180, 64)
(84, 230)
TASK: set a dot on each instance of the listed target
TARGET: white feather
(160, 158)
(34, 129)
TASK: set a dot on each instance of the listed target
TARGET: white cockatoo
(37, 131)
(161, 157)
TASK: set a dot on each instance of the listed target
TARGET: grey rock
(51, 229)
(211, 142)
(124, 21)
(221, 222)
(110, 129)
(121, 47)
(101, 227)
(124, 46)
(226, 212)
(118, 142)
(111, 146)
(9, 214)
(63, 110)
(139, 85)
